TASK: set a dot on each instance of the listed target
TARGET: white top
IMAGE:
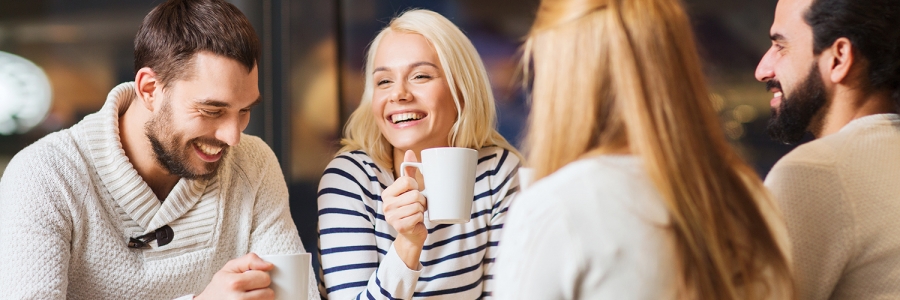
(71, 201)
(595, 229)
(355, 241)
(840, 195)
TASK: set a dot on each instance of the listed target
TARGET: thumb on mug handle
(415, 165)
(409, 157)
(410, 164)
(410, 161)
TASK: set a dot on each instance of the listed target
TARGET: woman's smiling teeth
(208, 150)
(404, 117)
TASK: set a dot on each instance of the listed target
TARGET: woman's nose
(400, 93)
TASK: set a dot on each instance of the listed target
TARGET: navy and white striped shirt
(355, 241)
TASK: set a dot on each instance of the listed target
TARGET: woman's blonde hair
(623, 75)
(466, 77)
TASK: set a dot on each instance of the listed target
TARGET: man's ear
(146, 83)
(839, 60)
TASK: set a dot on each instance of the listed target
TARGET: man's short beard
(796, 114)
(167, 153)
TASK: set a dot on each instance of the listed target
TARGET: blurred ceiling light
(24, 94)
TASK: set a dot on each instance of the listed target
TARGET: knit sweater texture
(71, 201)
(840, 195)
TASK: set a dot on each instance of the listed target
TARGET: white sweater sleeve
(347, 239)
(35, 229)
(273, 230)
(816, 214)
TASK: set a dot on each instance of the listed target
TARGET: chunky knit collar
(118, 175)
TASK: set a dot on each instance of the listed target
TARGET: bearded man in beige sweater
(158, 195)
(834, 70)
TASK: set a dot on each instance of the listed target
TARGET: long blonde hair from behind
(475, 125)
(614, 76)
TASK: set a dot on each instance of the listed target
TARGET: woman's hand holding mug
(404, 210)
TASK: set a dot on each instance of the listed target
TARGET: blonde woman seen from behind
(425, 87)
(638, 194)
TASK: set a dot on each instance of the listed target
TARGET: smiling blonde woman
(425, 87)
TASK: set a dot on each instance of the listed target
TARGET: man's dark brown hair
(872, 26)
(177, 29)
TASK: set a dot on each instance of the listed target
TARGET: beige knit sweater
(840, 196)
(70, 202)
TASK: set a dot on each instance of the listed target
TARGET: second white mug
(290, 277)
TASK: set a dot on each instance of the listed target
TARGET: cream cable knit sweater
(70, 202)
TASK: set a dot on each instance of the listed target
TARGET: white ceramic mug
(290, 277)
(449, 174)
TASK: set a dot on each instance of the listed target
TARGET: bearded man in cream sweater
(834, 68)
(158, 195)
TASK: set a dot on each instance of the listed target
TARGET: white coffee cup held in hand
(290, 277)
(449, 174)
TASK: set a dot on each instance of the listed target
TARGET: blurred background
(60, 58)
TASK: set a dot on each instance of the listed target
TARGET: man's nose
(765, 70)
(230, 133)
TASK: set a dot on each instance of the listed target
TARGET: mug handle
(417, 165)
(405, 164)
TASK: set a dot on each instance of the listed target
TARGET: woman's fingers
(411, 224)
(404, 211)
(409, 197)
(400, 186)
(410, 209)
(404, 208)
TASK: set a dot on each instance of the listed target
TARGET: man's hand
(243, 278)
(404, 210)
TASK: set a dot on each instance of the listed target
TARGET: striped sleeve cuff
(394, 279)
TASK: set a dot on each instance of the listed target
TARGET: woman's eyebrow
(412, 65)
